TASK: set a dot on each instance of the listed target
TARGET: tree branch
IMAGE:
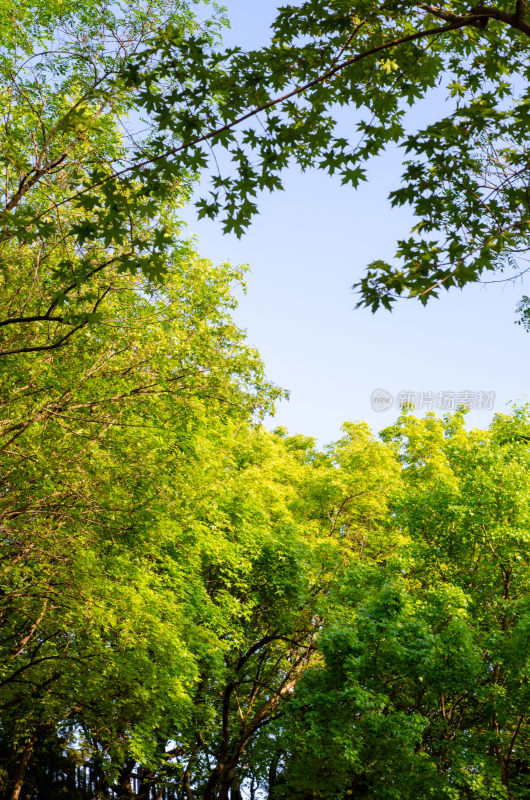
(462, 22)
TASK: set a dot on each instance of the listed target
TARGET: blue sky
(306, 248)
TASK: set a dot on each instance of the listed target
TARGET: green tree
(465, 174)
(68, 121)
(182, 620)
(423, 685)
(102, 604)
(190, 606)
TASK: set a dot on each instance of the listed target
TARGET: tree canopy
(465, 174)
(193, 607)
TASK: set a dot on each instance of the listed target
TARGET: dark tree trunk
(23, 766)
(123, 786)
(235, 791)
(220, 783)
(146, 779)
(273, 773)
